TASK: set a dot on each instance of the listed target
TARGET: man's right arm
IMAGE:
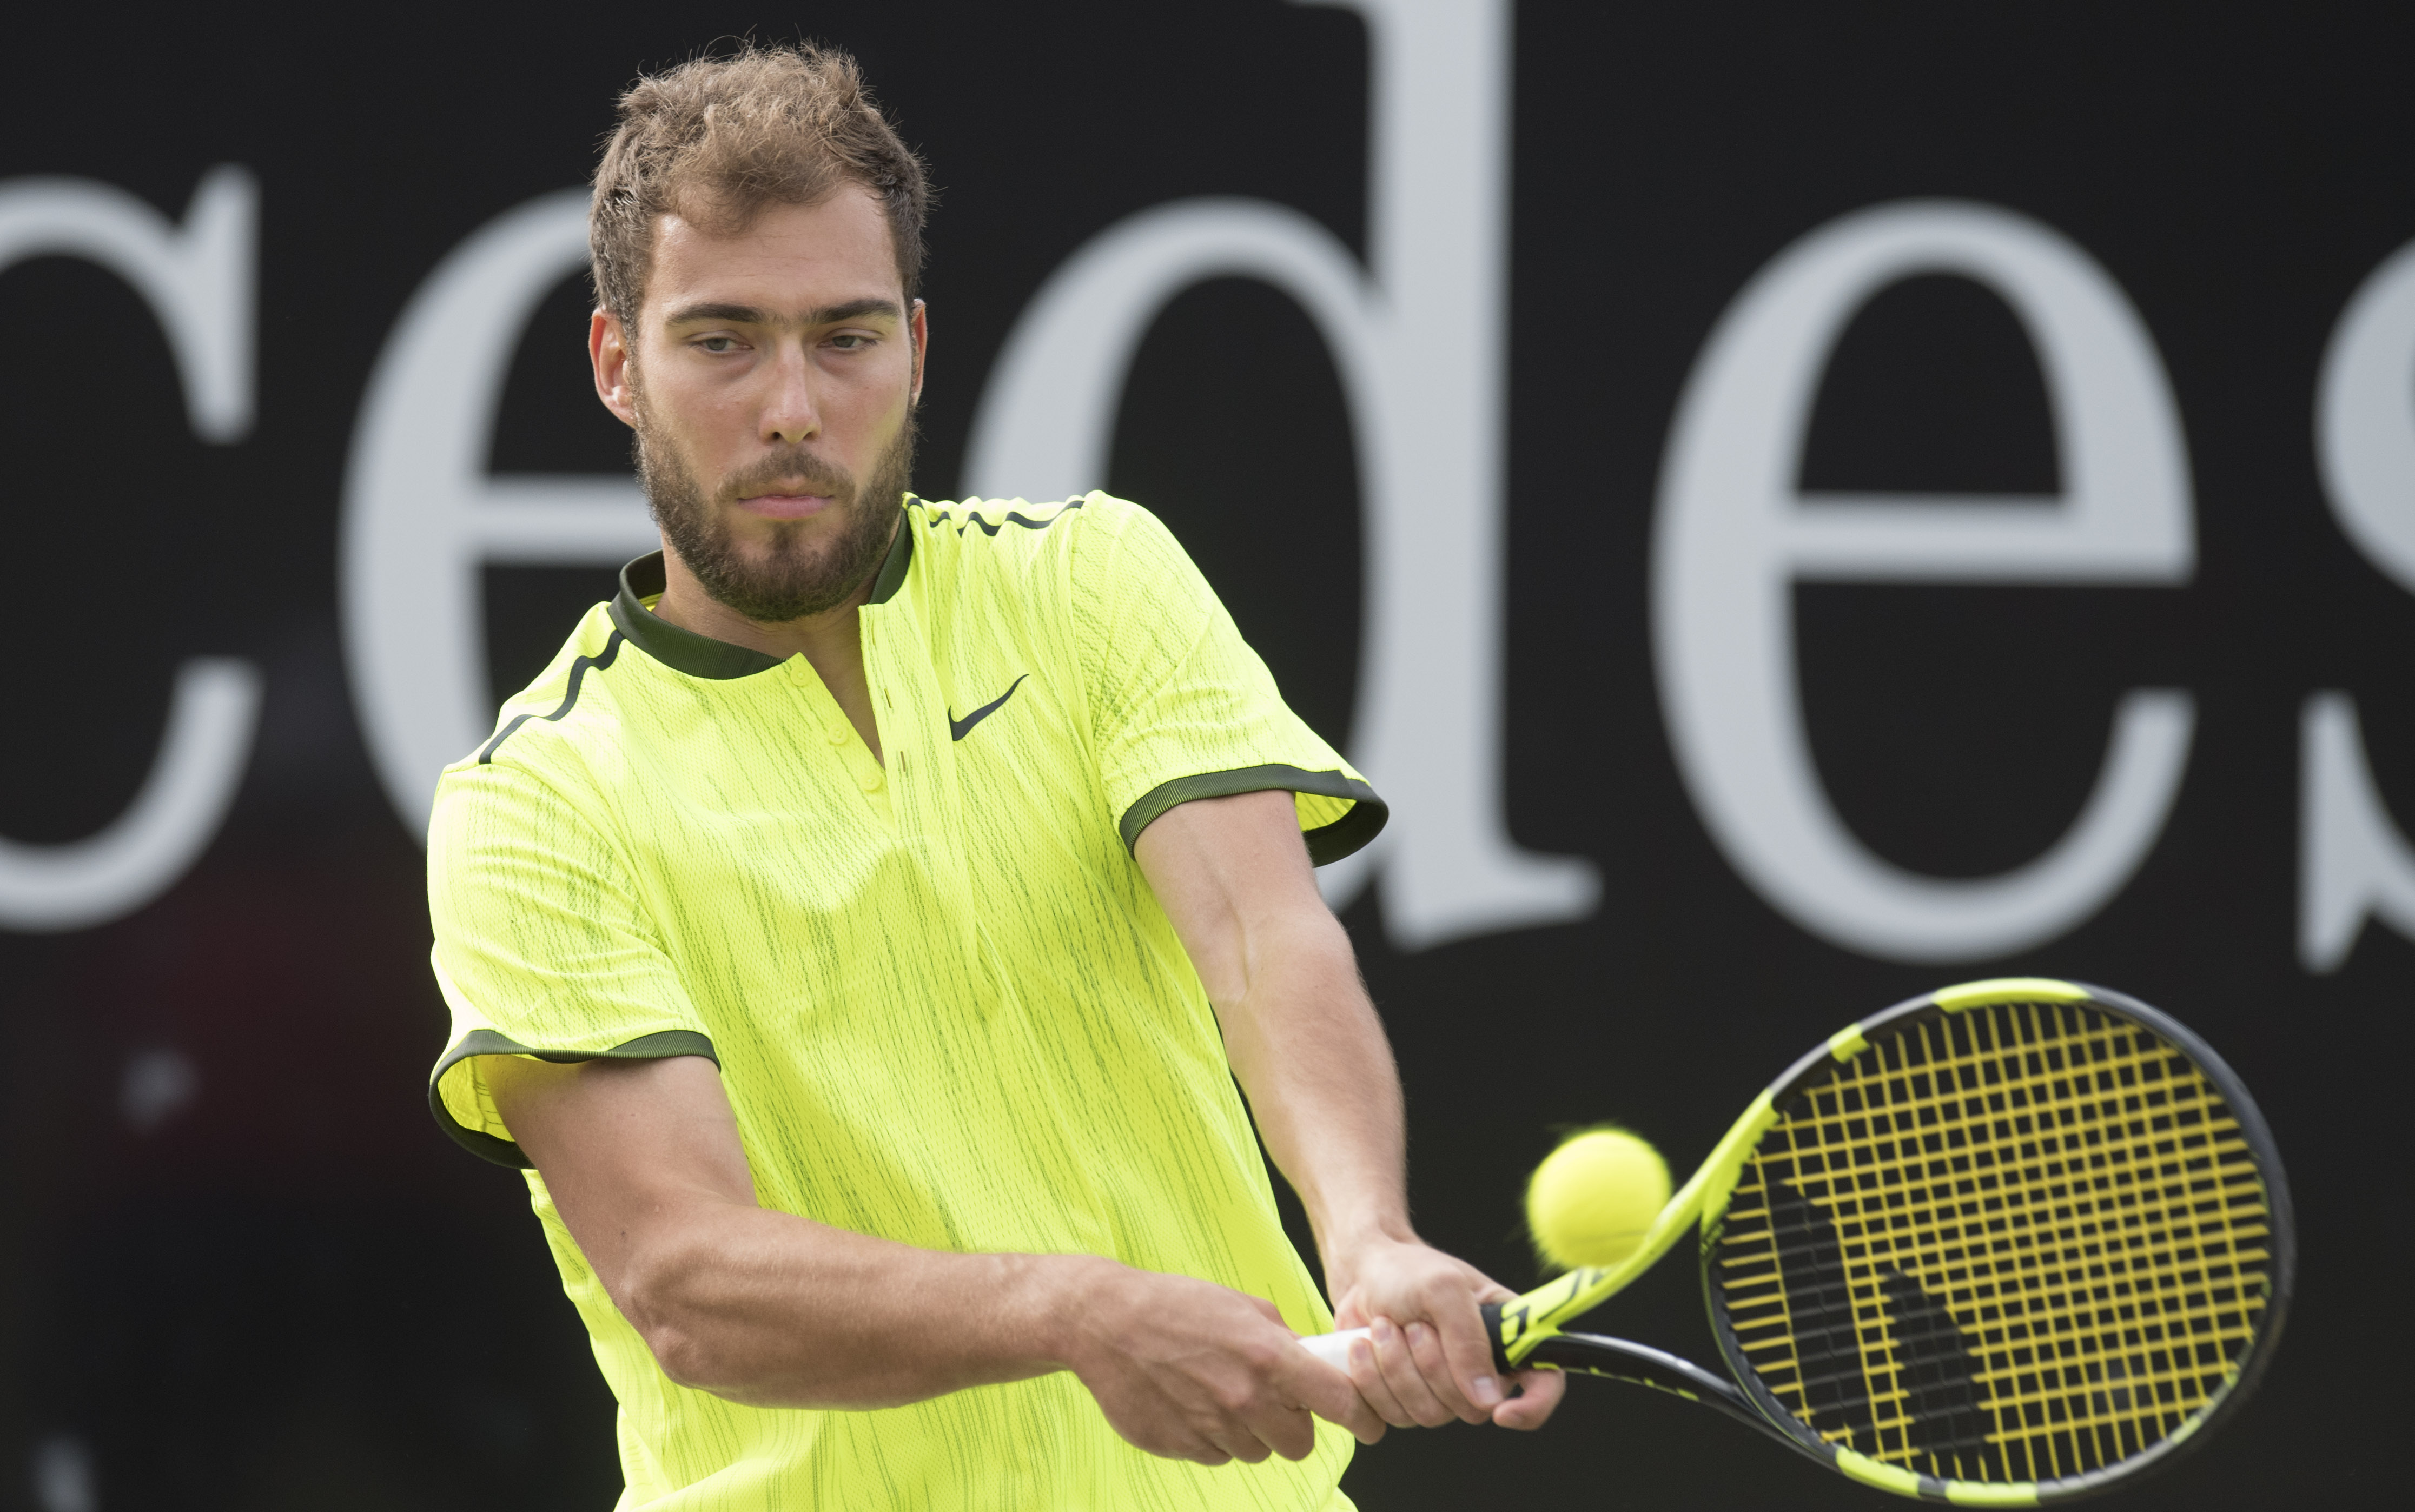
(765, 1308)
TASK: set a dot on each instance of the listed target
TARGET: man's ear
(918, 327)
(608, 352)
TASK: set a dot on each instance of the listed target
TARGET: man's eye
(719, 343)
(850, 342)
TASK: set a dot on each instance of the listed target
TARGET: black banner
(1795, 506)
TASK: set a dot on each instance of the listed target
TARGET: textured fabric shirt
(947, 1008)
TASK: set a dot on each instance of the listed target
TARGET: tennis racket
(2012, 1242)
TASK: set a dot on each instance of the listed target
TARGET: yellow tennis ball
(1592, 1198)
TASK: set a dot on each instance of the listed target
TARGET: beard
(794, 575)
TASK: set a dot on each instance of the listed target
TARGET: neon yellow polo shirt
(946, 1006)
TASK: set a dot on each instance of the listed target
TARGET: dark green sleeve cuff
(658, 1046)
(1327, 844)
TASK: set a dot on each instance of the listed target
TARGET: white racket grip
(1333, 1349)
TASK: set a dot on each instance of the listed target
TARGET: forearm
(771, 1310)
(1308, 1049)
(774, 1311)
(643, 1162)
(1302, 1038)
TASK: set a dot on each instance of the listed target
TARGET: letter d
(1418, 340)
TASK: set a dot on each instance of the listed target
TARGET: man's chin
(774, 593)
(786, 577)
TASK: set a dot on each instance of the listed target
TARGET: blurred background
(1795, 504)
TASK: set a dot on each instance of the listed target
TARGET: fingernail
(1417, 1333)
(1380, 1330)
(1486, 1391)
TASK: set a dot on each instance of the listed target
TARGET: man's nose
(789, 414)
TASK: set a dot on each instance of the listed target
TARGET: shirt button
(838, 734)
(872, 784)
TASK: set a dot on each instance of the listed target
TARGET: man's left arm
(1310, 1053)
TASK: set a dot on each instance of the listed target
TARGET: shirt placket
(847, 749)
(923, 801)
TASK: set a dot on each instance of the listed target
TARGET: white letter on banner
(422, 515)
(198, 281)
(1734, 535)
(1418, 340)
(2353, 860)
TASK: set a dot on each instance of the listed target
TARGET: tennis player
(857, 931)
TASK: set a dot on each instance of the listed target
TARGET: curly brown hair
(718, 140)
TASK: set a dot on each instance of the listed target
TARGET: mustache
(798, 466)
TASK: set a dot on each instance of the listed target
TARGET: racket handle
(1333, 1349)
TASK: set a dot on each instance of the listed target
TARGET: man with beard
(872, 1063)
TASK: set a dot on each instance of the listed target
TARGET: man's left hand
(1427, 1358)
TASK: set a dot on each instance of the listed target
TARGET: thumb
(1329, 1394)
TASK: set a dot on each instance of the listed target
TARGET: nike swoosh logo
(959, 728)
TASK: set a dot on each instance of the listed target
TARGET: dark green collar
(892, 576)
(684, 651)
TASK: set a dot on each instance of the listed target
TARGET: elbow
(685, 1305)
(691, 1357)
(701, 1359)
(687, 1357)
(665, 1294)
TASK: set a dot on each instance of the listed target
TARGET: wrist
(1061, 1294)
(1346, 1251)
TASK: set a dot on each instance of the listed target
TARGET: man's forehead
(792, 258)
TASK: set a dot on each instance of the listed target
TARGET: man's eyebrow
(853, 309)
(727, 314)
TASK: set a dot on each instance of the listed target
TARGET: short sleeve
(1180, 707)
(542, 947)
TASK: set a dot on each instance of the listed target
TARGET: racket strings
(2018, 1243)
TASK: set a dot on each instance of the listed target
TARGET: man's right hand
(1193, 1370)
